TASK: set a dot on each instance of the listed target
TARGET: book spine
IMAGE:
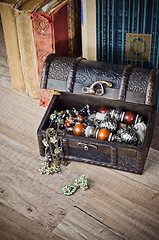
(12, 47)
(28, 53)
(74, 28)
(42, 24)
(88, 22)
(60, 29)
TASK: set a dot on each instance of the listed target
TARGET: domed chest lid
(110, 81)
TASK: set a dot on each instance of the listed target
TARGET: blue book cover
(128, 32)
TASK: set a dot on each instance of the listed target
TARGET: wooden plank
(122, 201)
(14, 225)
(4, 69)
(130, 219)
(155, 137)
(123, 217)
(20, 117)
(37, 197)
(150, 176)
(80, 225)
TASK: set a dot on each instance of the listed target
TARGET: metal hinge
(54, 92)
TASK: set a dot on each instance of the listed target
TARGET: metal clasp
(98, 91)
(87, 146)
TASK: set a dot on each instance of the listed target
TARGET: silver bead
(141, 130)
(116, 138)
(90, 131)
(118, 114)
(110, 124)
(129, 136)
(100, 116)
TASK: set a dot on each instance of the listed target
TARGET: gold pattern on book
(138, 47)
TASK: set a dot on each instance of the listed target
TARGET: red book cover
(42, 24)
(60, 25)
(51, 35)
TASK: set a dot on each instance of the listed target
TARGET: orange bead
(78, 129)
(80, 118)
(103, 134)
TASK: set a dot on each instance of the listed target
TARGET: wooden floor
(117, 205)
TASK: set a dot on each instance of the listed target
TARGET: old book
(27, 46)
(33, 43)
(74, 28)
(36, 42)
(54, 6)
(58, 12)
(21, 54)
(12, 44)
(128, 32)
(51, 35)
(60, 29)
(28, 54)
(42, 24)
(55, 23)
(88, 23)
(71, 21)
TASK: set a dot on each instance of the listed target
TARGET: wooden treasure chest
(100, 113)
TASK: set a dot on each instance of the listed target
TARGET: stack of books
(34, 29)
(121, 31)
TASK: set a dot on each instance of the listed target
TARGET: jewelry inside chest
(90, 150)
(110, 141)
